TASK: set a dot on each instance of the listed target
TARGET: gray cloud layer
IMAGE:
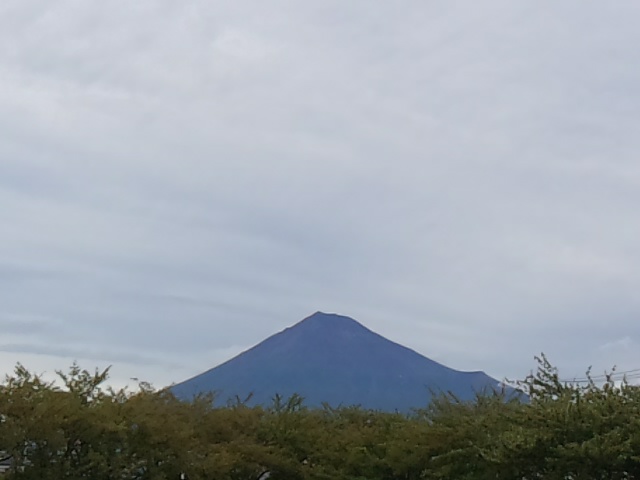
(180, 179)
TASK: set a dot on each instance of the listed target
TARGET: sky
(180, 180)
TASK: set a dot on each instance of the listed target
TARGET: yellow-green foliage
(81, 430)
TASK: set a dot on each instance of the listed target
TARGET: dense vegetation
(80, 429)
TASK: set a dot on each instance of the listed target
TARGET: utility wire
(629, 374)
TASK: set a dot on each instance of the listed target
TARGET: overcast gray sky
(179, 180)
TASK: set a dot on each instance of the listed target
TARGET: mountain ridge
(327, 357)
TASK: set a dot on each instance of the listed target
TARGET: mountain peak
(324, 331)
(333, 358)
(331, 321)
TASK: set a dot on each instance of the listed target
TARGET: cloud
(74, 352)
(24, 324)
(177, 179)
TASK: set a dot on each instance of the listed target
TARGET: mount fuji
(329, 358)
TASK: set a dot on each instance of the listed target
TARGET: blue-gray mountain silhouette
(334, 359)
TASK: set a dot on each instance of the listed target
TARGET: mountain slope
(332, 358)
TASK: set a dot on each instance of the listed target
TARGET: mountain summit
(332, 358)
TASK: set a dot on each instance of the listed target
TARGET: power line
(629, 374)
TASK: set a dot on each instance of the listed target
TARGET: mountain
(332, 358)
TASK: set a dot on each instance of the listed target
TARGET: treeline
(81, 430)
